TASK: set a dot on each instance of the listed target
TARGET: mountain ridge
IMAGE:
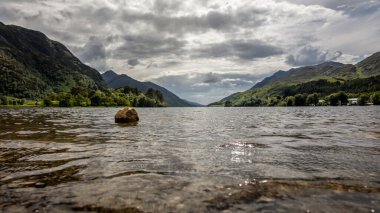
(116, 81)
(277, 83)
(32, 65)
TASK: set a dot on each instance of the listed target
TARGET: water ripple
(190, 160)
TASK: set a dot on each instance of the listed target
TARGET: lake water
(317, 159)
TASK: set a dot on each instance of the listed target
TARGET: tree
(141, 101)
(4, 100)
(82, 101)
(159, 96)
(154, 94)
(375, 98)
(150, 93)
(97, 99)
(273, 101)
(47, 102)
(289, 101)
(339, 98)
(363, 99)
(76, 90)
(66, 100)
(299, 100)
(228, 104)
(333, 100)
(343, 98)
(312, 99)
(127, 90)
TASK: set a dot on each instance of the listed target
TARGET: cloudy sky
(204, 50)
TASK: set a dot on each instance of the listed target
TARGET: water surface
(318, 159)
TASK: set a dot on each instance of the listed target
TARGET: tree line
(323, 92)
(85, 97)
(4, 100)
(314, 99)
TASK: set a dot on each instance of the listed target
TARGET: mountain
(323, 78)
(194, 104)
(116, 81)
(369, 66)
(32, 65)
(304, 74)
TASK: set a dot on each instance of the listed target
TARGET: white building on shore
(352, 101)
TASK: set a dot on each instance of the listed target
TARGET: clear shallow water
(191, 160)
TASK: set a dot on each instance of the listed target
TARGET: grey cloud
(241, 49)
(151, 65)
(162, 6)
(211, 78)
(310, 55)
(350, 7)
(363, 9)
(8, 14)
(102, 15)
(66, 14)
(147, 46)
(93, 53)
(171, 63)
(94, 49)
(216, 20)
(213, 20)
(133, 62)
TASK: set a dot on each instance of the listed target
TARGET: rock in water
(126, 115)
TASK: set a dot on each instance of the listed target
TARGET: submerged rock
(126, 115)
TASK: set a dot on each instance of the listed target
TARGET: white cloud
(159, 38)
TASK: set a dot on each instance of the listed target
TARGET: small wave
(245, 145)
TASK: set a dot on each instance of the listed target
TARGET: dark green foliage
(326, 87)
(312, 99)
(47, 102)
(154, 94)
(98, 98)
(251, 102)
(300, 100)
(333, 100)
(80, 100)
(289, 101)
(65, 100)
(363, 99)
(227, 104)
(274, 101)
(3, 100)
(84, 97)
(128, 89)
(337, 99)
(375, 98)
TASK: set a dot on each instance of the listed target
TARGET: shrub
(375, 98)
(363, 99)
(300, 100)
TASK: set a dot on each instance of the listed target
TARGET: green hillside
(321, 80)
(32, 65)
